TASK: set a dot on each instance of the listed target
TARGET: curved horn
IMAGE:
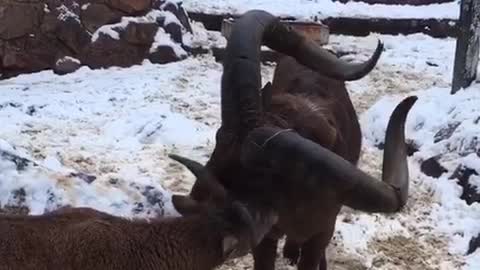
(286, 40)
(282, 150)
(241, 78)
(205, 179)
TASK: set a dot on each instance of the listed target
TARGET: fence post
(467, 49)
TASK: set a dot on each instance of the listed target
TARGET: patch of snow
(159, 126)
(125, 112)
(307, 10)
(474, 180)
(5, 146)
(434, 110)
(423, 124)
(107, 30)
(170, 18)
(85, 6)
(112, 29)
(169, 3)
(64, 13)
(163, 39)
(202, 37)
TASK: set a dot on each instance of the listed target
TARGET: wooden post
(467, 49)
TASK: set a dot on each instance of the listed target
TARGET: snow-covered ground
(308, 9)
(445, 214)
(115, 124)
(120, 123)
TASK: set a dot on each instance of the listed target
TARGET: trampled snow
(101, 123)
(308, 9)
(434, 110)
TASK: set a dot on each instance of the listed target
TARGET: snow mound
(43, 186)
(446, 127)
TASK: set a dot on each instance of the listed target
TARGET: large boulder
(107, 51)
(72, 33)
(18, 19)
(139, 33)
(31, 53)
(34, 35)
(96, 14)
(164, 54)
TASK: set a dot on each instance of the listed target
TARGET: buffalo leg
(323, 261)
(264, 254)
(313, 254)
(291, 251)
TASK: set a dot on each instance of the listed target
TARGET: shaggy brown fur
(83, 238)
(320, 109)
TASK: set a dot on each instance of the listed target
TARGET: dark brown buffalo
(293, 146)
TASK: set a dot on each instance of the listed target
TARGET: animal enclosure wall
(63, 35)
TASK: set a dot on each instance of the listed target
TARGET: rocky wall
(63, 35)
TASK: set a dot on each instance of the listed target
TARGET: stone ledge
(399, 2)
(37, 35)
(357, 26)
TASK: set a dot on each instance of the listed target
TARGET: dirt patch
(387, 80)
(400, 252)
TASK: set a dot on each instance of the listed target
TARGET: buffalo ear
(185, 205)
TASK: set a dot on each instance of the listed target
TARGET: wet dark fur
(321, 115)
(320, 109)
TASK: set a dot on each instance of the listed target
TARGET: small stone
(412, 147)
(473, 245)
(66, 65)
(85, 177)
(431, 167)
(153, 196)
(163, 54)
(446, 132)
(469, 193)
(175, 31)
(139, 208)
